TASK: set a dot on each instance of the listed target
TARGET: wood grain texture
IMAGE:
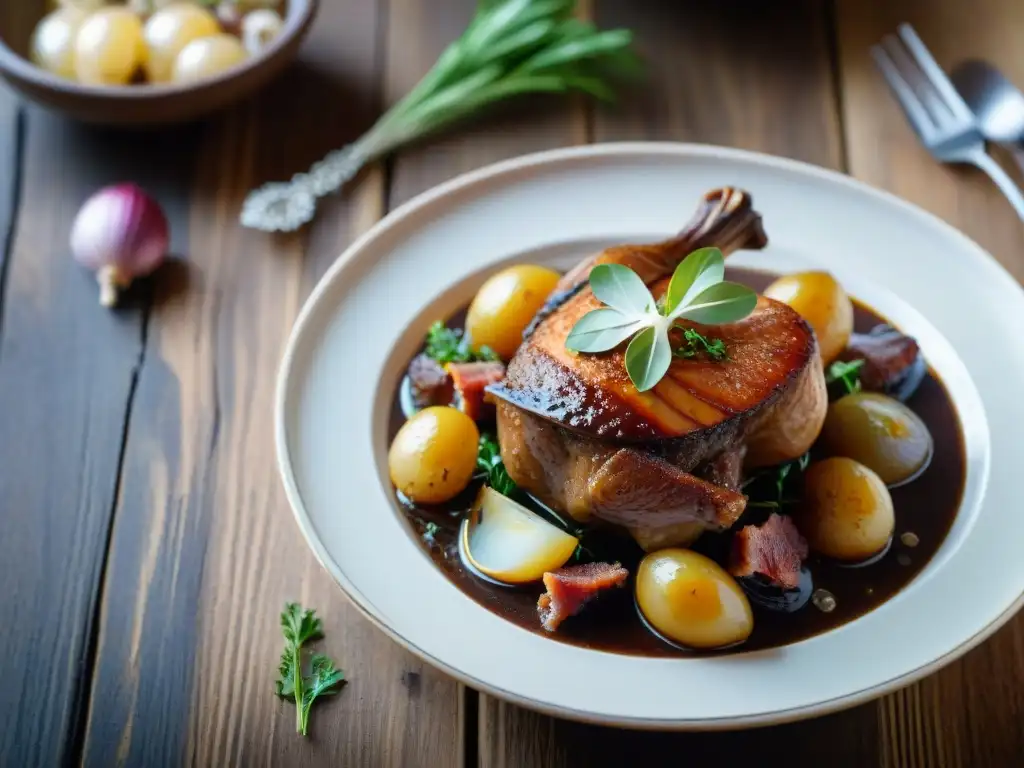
(750, 75)
(418, 31)
(205, 551)
(12, 135)
(757, 77)
(884, 151)
(67, 371)
(969, 713)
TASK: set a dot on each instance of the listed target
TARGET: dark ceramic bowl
(139, 104)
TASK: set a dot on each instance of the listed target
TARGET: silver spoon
(997, 104)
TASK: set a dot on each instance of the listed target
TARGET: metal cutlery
(936, 111)
(997, 104)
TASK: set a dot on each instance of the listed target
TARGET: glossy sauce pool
(924, 507)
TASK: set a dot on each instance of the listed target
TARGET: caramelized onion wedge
(507, 542)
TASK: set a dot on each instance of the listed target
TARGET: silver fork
(937, 113)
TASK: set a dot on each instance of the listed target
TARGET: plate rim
(525, 162)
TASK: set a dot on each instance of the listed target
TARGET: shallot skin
(120, 233)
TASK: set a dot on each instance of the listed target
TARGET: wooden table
(146, 547)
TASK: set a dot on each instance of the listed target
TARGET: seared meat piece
(576, 433)
(429, 382)
(726, 469)
(570, 588)
(775, 550)
(893, 362)
(470, 381)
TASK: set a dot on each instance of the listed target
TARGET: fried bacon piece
(429, 382)
(776, 550)
(469, 381)
(571, 588)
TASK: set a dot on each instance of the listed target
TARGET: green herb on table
(510, 48)
(492, 468)
(694, 344)
(448, 345)
(697, 292)
(845, 372)
(324, 679)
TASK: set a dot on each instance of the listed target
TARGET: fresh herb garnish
(767, 488)
(449, 345)
(846, 372)
(695, 343)
(324, 679)
(492, 468)
(581, 550)
(697, 291)
(510, 48)
(430, 530)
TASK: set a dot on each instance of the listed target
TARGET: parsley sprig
(767, 488)
(492, 468)
(450, 345)
(698, 291)
(845, 372)
(695, 343)
(299, 628)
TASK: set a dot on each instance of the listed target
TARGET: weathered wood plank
(12, 135)
(882, 149)
(205, 551)
(969, 713)
(67, 373)
(754, 77)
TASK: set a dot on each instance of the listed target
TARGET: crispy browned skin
(592, 394)
(575, 431)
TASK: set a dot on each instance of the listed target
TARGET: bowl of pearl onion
(147, 62)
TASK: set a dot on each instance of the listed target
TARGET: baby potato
(433, 456)
(879, 432)
(506, 304)
(846, 511)
(691, 600)
(823, 303)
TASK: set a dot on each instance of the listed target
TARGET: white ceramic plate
(367, 317)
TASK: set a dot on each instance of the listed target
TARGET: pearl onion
(259, 29)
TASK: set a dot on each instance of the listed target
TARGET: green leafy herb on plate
(448, 345)
(492, 468)
(845, 372)
(697, 292)
(695, 343)
(300, 628)
(768, 488)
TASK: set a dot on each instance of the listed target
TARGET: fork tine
(918, 82)
(936, 76)
(918, 116)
